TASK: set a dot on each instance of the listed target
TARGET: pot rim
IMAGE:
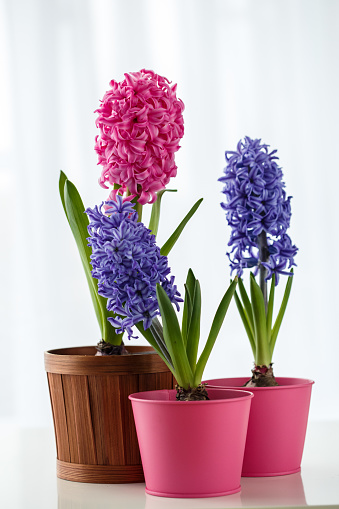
(66, 361)
(138, 396)
(300, 382)
(71, 351)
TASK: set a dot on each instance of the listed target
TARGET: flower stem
(137, 206)
(263, 257)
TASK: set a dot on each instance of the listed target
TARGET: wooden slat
(59, 416)
(72, 433)
(83, 420)
(100, 474)
(106, 418)
(147, 382)
(164, 381)
(128, 385)
(156, 381)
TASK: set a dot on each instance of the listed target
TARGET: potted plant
(259, 213)
(134, 277)
(141, 124)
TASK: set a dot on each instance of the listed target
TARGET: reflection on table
(287, 490)
(266, 491)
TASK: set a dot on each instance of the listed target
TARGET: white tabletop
(28, 479)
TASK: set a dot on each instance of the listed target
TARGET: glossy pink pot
(277, 425)
(191, 449)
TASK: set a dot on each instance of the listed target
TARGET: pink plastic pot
(277, 425)
(191, 448)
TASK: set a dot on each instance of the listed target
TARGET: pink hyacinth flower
(141, 124)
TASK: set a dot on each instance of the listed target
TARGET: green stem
(155, 212)
(263, 356)
(269, 313)
(263, 257)
(138, 208)
(109, 335)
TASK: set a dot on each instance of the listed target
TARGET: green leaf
(78, 221)
(157, 332)
(188, 304)
(245, 321)
(77, 218)
(270, 305)
(281, 311)
(166, 248)
(154, 343)
(155, 214)
(190, 282)
(173, 340)
(215, 328)
(247, 304)
(263, 356)
(193, 334)
(186, 315)
(62, 181)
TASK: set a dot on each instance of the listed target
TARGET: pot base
(99, 474)
(269, 474)
(192, 495)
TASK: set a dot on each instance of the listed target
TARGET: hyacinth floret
(127, 264)
(256, 202)
(141, 124)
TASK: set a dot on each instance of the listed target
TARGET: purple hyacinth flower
(256, 205)
(128, 265)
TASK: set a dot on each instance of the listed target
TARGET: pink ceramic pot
(277, 425)
(191, 449)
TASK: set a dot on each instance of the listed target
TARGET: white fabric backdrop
(265, 69)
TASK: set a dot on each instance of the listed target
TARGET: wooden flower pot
(94, 427)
